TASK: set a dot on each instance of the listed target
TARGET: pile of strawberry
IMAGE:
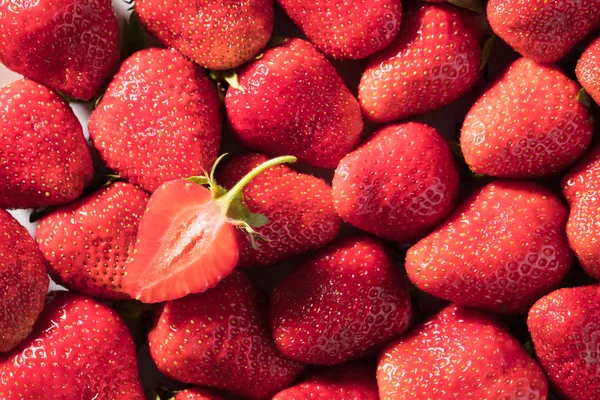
(401, 263)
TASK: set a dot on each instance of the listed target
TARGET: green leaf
(133, 36)
(200, 180)
(473, 5)
(584, 98)
(67, 98)
(486, 52)
(257, 220)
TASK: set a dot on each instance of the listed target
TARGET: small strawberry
(80, 349)
(71, 46)
(342, 304)
(298, 206)
(588, 70)
(217, 34)
(542, 30)
(159, 119)
(434, 61)
(221, 339)
(565, 327)
(538, 127)
(399, 184)
(459, 354)
(197, 394)
(87, 243)
(502, 249)
(23, 281)
(44, 158)
(292, 101)
(346, 30)
(343, 382)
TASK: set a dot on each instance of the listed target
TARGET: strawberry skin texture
(544, 31)
(502, 249)
(217, 34)
(88, 242)
(71, 46)
(292, 101)
(23, 281)
(538, 127)
(159, 119)
(588, 70)
(80, 349)
(433, 62)
(342, 304)
(298, 206)
(459, 354)
(44, 158)
(345, 29)
(197, 394)
(342, 382)
(399, 184)
(221, 338)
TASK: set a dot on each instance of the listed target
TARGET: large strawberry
(221, 339)
(342, 304)
(292, 101)
(588, 70)
(197, 394)
(434, 61)
(87, 243)
(70, 45)
(80, 349)
(159, 119)
(23, 281)
(459, 354)
(542, 30)
(44, 158)
(299, 208)
(346, 29)
(537, 126)
(217, 34)
(565, 329)
(399, 184)
(502, 249)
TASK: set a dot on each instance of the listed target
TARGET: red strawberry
(80, 349)
(23, 281)
(70, 45)
(87, 243)
(221, 339)
(292, 101)
(44, 158)
(399, 184)
(538, 127)
(342, 304)
(197, 394)
(343, 382)
(543, 30)
(459, 354)
(217, 34)
(346, 30)
(433, 62)
(588, 70)
(158, 120)
(298, 206)
(501, 250)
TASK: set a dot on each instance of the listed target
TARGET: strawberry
(79, 349)
(71, 46)
(588, 69)
(221, 339)
(217, 34)
(298, 206)
(44, 158)
(538, 127)
(459, 354)
(544, 31)
(399, 184)
(292, 101)
(502, 249)
(87, 243)
(187, 239)
(23, 281)
(197, 394)
(346, 30)
(343, 382)
(159, 119)
(344, 303)
(433, 62)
